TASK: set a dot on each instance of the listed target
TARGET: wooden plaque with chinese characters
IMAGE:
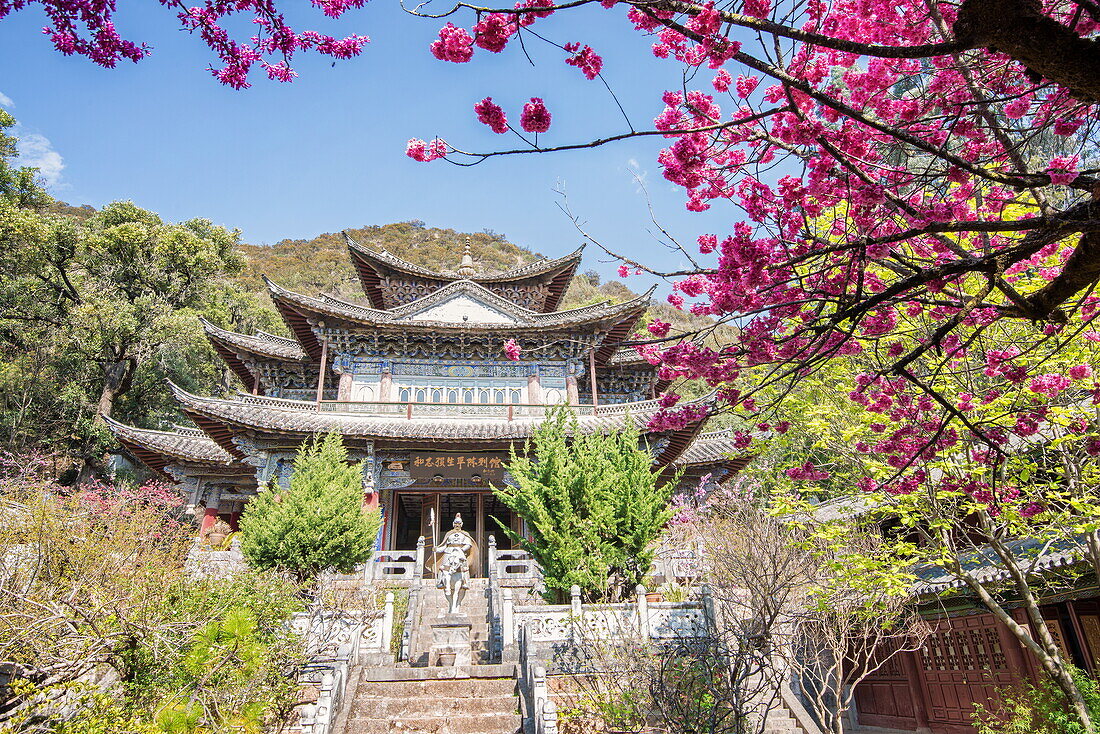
(458, 469)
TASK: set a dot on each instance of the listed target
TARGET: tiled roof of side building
(715, 447)
(183, 444)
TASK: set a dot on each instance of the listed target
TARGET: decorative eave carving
(308, 316)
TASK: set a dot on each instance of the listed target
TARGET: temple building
(417, 383)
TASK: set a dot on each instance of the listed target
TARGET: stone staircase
(433, 603)
(780, 721)
(434, 706)
(412, 698)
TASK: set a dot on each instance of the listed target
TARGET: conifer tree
(318, 524)
(593, 505)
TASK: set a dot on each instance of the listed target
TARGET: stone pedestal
(451, 645)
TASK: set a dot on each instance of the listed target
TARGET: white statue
(453, 566)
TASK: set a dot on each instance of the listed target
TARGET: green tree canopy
(97, 308)
(319, 523)
(593, 503)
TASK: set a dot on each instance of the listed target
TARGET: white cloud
(36, 150)
(640, 175)
(5, 101)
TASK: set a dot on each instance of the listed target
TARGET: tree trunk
(1046, 47)
(1038, 640)
(117, 379)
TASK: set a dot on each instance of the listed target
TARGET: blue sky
(327, 151)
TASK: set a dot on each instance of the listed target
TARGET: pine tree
(318, 524)
(593, 506)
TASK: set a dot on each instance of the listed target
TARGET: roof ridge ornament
(467, 269)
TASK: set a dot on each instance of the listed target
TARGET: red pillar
(210, 516)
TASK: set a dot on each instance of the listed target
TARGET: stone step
(473, 724)
(413, 682)
(396, 707)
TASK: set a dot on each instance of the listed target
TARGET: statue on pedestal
(453, 567)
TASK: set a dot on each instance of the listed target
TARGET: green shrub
(1042, 709)
(318, 524)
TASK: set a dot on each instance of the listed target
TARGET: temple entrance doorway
(482, 514)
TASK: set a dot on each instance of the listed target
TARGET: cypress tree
(593, 506)
(319, 523)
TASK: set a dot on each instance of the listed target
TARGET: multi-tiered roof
(422, 323)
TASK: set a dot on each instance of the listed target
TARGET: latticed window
(516, 397)
(437, 396)
(500, 396)
(484, 396)
(404, 395)
(421, 395)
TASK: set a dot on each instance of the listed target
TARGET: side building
(417, 383)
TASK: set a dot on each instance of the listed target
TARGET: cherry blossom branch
(612, 139)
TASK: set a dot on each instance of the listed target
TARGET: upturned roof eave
(171, 446)
(268, 346)
(384, 260)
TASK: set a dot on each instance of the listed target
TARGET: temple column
(534, 387)
(911, 661)
(343, 393)
(213, 503)
(571, 392)
(385, 384)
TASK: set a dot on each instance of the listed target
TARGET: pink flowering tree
(912, 190)
(87, 28)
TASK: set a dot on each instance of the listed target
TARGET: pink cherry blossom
(584, 59)
(512, 350)
(658, 328)
(454, 44)
(492, 115)
(493, 32)
(535, 118)
(1080, 372)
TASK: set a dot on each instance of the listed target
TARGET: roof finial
(466, 269)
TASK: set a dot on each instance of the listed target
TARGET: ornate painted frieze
(397, 291)
(619, 386)
(353, 348)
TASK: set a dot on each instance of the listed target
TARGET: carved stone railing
(336, 642)
(395, 566)
(515, 568)
(565, 622)
(532, 631)
(680, 566)
(540, 714)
